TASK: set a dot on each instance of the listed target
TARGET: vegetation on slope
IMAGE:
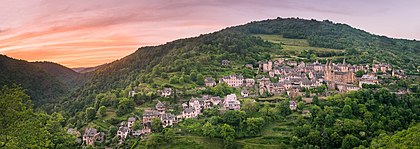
(21, 127)
(41, 86)
(363, 47)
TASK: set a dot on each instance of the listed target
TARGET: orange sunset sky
(82, 33)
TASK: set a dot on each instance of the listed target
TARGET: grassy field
(284, 41)
(294, 47)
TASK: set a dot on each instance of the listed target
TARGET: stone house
(215, 100)
(225, 62)
(244, 93)
(249, 82)
(292, 105)
(122, 133)
(189, 113)
(131, 122)
(92, 135)
(149, 115)
(231, 103)
(167, 119)
(209, 82)
(166, 92)
(160, 107)
(233, 80)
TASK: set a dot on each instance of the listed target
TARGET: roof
(90, 132)
(160, 105)
(151, 113)
(167, 90)
(209, 80)
(131, 119)
(189, 110)
(216, 98)
(123, 129)
(168, 116)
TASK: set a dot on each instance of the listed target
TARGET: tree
(301, 105)
(112, 131)
(222, 89)
(228, 134)
(156, 125)
(168, 135)
(173, 80)
(249, 106)
(21, 127)
(315, 100)
(233, 117)
(347, 111)
(359, 73)
(200, 79)
(254, 125)
(137, 125)
(125, 106)
(284, 108)
(208, 130)
(102, 111)
(154, 140)
(90, 113)
(350, 142)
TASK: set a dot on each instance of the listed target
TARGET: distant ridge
(87, 69)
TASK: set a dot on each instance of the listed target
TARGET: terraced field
(276, 135)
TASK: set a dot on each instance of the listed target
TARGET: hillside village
(284, 77)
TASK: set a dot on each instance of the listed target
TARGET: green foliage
(209, 130)
(355, 118)
(220, 89)
(24, 128)
(350, 142)
(156, 125)
(90, 113)
(125, 106)
(102, 111)
(359, 73)
(228, 134)
(249, 106)
(254, 125)
(43, 87)
(409, 138)
(112, 131)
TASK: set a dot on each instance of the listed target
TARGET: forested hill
(240, 45)
(173, 58)
(365, 47)
(71, 78)
(45, 82)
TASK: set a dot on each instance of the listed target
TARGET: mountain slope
(201, 54)
(87, 69)
(41, 86)
(65, 75)
(238, 44)
(326, 34)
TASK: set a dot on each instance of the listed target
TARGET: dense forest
(22, 127)
(40, 85)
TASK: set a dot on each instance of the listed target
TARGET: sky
(83, 33)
